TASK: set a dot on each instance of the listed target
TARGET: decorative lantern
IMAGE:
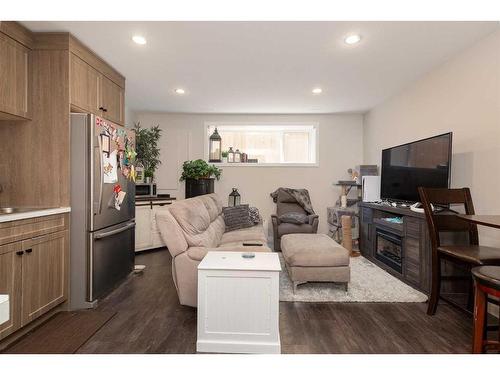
(237, 156)
(230, 155)
(234, 198)
(215, 149)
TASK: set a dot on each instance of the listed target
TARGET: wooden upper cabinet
(45, 270)
(15, 79)
(93, 92)
(85, 84)
(11, 284)
(113, 97)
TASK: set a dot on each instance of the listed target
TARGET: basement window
(269, 144)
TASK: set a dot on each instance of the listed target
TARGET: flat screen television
(426, 163)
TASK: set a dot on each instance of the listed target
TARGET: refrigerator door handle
(99, 236)
(101, 174)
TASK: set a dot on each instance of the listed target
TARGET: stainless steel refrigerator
(102, 207)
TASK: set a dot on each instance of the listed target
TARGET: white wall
(340, 148)
(462, 96)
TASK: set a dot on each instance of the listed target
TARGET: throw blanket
(301, 196)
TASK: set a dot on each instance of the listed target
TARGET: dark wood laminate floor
(149, 319)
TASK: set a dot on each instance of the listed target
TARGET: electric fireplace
(389, 249)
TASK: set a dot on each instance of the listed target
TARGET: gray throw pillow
(254, 215)
(294, 218)
(237, 217)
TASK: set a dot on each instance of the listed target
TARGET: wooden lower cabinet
(44, 263)
(11, 284)
(33, 269)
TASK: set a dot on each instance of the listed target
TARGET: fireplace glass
(389, 249)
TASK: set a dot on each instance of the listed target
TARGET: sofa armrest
(198, 253)
(314, 221)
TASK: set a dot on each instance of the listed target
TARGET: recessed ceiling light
(352, 39)
(317, 91)
(139, 39)
(180, 91)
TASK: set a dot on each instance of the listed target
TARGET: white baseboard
(205, 346)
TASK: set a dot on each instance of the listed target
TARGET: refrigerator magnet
(119, 200)
(105, 142)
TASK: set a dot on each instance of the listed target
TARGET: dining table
(492, 221)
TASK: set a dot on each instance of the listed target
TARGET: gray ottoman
(315, 257)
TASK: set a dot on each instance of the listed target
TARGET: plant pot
(198, 187)
(224, 159)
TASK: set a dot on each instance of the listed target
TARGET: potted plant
(199, 177)
(148, 152)
(224, 156)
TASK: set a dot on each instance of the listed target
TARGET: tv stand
(408, 241)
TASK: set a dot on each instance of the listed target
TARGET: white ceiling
(270, 67)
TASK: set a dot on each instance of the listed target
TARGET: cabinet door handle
(101, 108)
(29, 251)
(20, 252)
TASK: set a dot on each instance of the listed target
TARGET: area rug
(369, 283)
(64, 333)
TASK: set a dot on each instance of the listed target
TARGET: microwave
(145, 190)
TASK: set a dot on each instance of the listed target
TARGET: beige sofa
(193, 227)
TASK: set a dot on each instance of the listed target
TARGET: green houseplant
(199, 177)
(148, 152)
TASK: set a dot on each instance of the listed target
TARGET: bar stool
(487, 283)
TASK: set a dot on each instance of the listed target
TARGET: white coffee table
(238, 303)
(4, 308)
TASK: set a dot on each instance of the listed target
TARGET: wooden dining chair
(442, 218)
(487, 283)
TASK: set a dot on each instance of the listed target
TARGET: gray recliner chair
(286, 203)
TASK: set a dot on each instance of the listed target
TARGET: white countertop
(4, 308)
(232, 260)
(34, 213)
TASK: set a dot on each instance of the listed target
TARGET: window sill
(265, 165)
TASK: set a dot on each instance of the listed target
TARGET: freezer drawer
(111, 257)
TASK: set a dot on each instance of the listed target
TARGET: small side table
(238, 303)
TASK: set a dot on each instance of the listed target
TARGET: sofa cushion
(237, 217)
(218, 202)
(287, 228)
(294, 218)
(285, 197)
(210, 237)
(192, 215)
(253, 233)
(210, 201)
(313, 250)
